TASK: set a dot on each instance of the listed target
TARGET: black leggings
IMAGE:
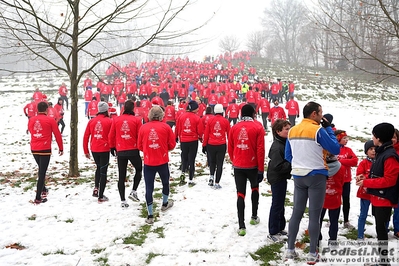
(241, 176)
(346, 200)
(264, 119)
(188, 154)
(43, 162)
(61, 122)
(137, 163)
(101, 159)
(216, 155)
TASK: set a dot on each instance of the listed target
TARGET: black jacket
(278, 168)
(377, 170)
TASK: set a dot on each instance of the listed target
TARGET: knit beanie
(102, 107)
(192, 106)
(369, 144)
(218, 109)
(384, 132)
(329, 117)
(247, 110)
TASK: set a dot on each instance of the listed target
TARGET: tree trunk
(73, 155)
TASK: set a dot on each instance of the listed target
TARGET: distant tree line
(334, 34)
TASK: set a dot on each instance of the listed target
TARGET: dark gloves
(325, 123)
(260, 177)
(297, 116)
(204, 149)
(177, 140)
(113, 151)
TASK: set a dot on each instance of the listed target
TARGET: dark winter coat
(278, 168)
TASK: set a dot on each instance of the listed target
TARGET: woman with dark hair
(97, 131)
(123, 143)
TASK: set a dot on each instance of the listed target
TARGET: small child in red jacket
(332, 203)
(364, 169)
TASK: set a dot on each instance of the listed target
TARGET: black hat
(329, 117)
(384, 132)
(192, 105)
(369, 144)
(247, 110)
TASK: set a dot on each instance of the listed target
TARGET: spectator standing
(97, 131)
(246, 148)
(155, 140)
(363, 169)
(382, 184)
(310, 173)
(348, 159)
(278, 171)
(42, 128)
(123, 144)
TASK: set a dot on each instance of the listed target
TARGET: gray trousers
(314, 189)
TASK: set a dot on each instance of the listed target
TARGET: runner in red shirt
(97, 131)
(155, 140)
(123, 143)
(42, 128)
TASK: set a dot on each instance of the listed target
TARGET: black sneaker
(210, 182)
(95, 192)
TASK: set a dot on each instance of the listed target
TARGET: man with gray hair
(155, 140)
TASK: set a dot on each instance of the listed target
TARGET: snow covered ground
(73, 229)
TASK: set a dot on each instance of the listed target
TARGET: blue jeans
(364, 209)
(276, 217)
(149, 178)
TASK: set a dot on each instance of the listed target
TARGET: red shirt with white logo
(124, 132)
(97, 131)
(42, 128)
(155, 140)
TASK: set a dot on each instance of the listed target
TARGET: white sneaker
(124, 205)
(290, 255)
(133, 196)
(275, 238)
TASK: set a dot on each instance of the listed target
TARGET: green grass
(70, 220)
(266, 194)
(151, 256)
(97, 250)
(351, 234)
(159, 231)
(203, 250)
(268, 253)
(32, 218)
(103, 261)
(59, 251)
(138, 238)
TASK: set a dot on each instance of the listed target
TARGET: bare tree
(256, 42)
(362, 34)
(56, 35)
(229, 44)
(283, 21)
